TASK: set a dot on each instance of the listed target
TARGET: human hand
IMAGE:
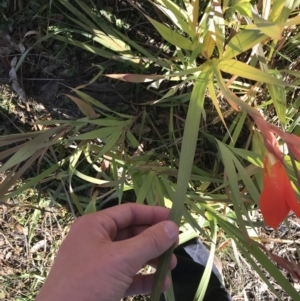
(103, 252)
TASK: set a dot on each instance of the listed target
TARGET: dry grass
(29, 239)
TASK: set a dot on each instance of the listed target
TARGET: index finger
(130, 214)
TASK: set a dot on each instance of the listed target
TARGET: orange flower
(277, 198)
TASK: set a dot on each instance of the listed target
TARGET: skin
(101, 255)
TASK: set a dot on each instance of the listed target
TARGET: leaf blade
(185, 166)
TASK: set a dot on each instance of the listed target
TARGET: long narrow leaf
(172, 36)
(32, 146)
(241, 42)
(189, 142)
(144, 189)
(233, 180)
(246, 71)
(208, 269)
(177, 15)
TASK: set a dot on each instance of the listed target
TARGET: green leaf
(29, 148)
(240, 120)
(98, 134)
(92, 101)
(293, 21)
(189, 142)
(258, 147)
(241, 42)
(163, 63)
(177, 15)
(171, 36)
(132, 140)
(216, 27)
(200, 293)
(49, 174)
(106, 38)
(144, 189)
(246, 71)
(85, 108)
(99, 37)
(169, 294)
(91, 207)
(208, 45)
(14, 138)
(110, 122)
(269, 28)
(281, 10)
(278, 95)
(79, 15)
(230, 168)
(292, 72)
(109, 33)
(251, 156)
(215, 101)
(72, 167)
(231, 97)
(158, 192)
(243, 174)
(96, 50)
(244, 8)
(92, 180)
(111, 142)
(195, 9)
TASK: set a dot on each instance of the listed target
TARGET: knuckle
(154, 241)
(80, 223)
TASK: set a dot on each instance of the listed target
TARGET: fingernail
(170, 229)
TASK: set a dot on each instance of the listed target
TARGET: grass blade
(171, 36)
(246, 71)
(29, 148)
(189, 142)
(144, 189)
(177, 15)
(208, 269)
(241, 42)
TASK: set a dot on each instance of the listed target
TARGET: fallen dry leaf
(291, 267)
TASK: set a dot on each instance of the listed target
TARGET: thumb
(154, 241)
